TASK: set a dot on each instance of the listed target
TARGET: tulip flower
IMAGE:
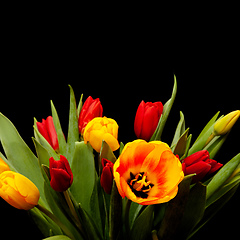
(107, 175)
(224, 125)
(200, 164)
(99, 129)
(91, 109)
(18, 190)
(147, 173)
(3, 166)
(61, 174)
(146, 119)
(48, 131)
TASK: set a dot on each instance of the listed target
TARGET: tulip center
(139, 184)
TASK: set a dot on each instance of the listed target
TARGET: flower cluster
(86, 184)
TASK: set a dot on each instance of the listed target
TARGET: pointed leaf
(106, 152)
(73, 132)
(181, 144)
(179, 130)
(57, 125)
(166, 110)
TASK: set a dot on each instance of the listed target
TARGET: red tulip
(146, 119)
(107, 175)
(200, 164)
(48, 131)
(91, 109)
(61, 174)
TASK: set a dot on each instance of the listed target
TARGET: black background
(121, 66)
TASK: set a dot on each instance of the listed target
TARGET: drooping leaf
(73, 132)
(166, 110)
(84, 174)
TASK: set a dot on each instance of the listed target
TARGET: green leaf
(215, 145)
(115, 213)
(175, 210)
(84, 174)
(73, 132)
(19, 154)
(142, 226)
(213, 209)
(166, 110)
(44, 223)
(179, 130)
(80, 104)
(58, 237)
(180, 147)
(203, 136)
(223, 174)
(193, 212)
(107, 153)
(88, 224)
(44, 143)
(57, 125)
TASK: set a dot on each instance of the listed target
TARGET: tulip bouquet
(91, 186)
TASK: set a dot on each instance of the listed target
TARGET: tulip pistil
(139, 184)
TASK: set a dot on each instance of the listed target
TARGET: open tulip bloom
(91, 186)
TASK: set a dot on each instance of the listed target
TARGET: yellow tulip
(99, 129)
(18, 190)
(224, 125)
(3, 166)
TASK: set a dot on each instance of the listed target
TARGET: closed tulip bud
(3, 166)
(99, 129)
(146, 119)
(224, 125)
(200, 164)
(48, 131)
(107, 175)
(18, 190)
(61, 174)
(91, 108)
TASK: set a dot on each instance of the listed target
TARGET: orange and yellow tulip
(99, 129)
(3, 166)
(147, 173)
(18, 190)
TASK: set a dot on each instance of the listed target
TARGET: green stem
(209, 139)
(56, 220)
(73, 210)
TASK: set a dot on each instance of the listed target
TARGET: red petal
(52, 133)
(107, 179)
(139, 119)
